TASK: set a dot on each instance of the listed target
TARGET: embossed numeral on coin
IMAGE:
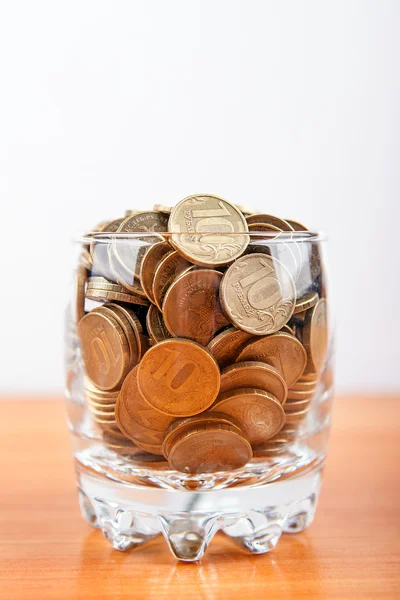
(178, 377)
(213, 221)
(105, 348)
(264, 288)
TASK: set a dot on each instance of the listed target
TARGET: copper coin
(191, 306)
(95, 294)
(105, 350)
(226, 346)
(178, 377)
(209, 448)
(280, 224)
(305, 302)
(296, 225)
(80, 284)
(258, 294)
(263, 227)
(155, 325)
(121, 319)
(296, 417)
(259, 413)
(141, 340)
(91, 389)
(137, 433)
(149, 264)
(304, 386)
(315, 334)
(282, 351)
(297, 406)
(295, 395)
(208, 230)
(169, 268)
(254, 374)
(178, 425)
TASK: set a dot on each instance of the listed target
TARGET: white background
(290, 106)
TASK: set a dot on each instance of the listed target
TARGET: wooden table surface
(352, 550)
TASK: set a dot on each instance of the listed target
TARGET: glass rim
(272, 237)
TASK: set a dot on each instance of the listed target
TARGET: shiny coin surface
(141, 340)
(209, 447)
(113, 296)
(149, 264)
(306, 302)
(282, 351)
(315, 335)
(259, 413)
(144, 437)
(258, 294)
(254, 374)
(155, 325)
(296, 417)
(105, 350)
(126, 328)
(226, 346)
(178, 377)
(169, 268)
(191, 306)
(296, 406)
(208, 230)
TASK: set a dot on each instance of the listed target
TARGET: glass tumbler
(199, 398)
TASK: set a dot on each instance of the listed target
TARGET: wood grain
(351, 551)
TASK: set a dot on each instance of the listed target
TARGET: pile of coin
(203, 332)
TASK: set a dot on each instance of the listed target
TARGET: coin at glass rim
(259, 413)
(149, 263)
(282, 351)
(122, 274)
(169, 268)
(155, 324)
(191, 306)
(105, 350)
(124, 323)
(106, 227)
(80, 284)
(305, 302)
(178, 377)
(209, 448)
(208, 230)
(139, 410)
(162, 208)
(225, 346)
(258, 294)
(254, 374)
(280, 224)
(315, 334)
(95, 294)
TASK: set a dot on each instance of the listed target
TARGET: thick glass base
(255, 517)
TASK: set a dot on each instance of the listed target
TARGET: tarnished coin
(208, 230)
(226, 346)
(305, 302)
(191, 306)
(80, 284)
(254, 374)
(282, 351)
(178, 377)
(209, 447)
(258, 294)
(155, 325)
(169, 268)
(105, 350)
(315, 335)
(149, 263)
(259, 413)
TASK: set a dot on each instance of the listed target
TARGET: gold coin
(178, 377)
(208, 230)
(149, 264)
(254, 374)
(95, 294)
(282, 351)
(80, 284)
(305, 302)
(105, 350)
(258, 294)
(225, 347)
(315, 335)
(209, 447)
(169, 268)
(259, 413)
(155, 325)
(191, 306)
